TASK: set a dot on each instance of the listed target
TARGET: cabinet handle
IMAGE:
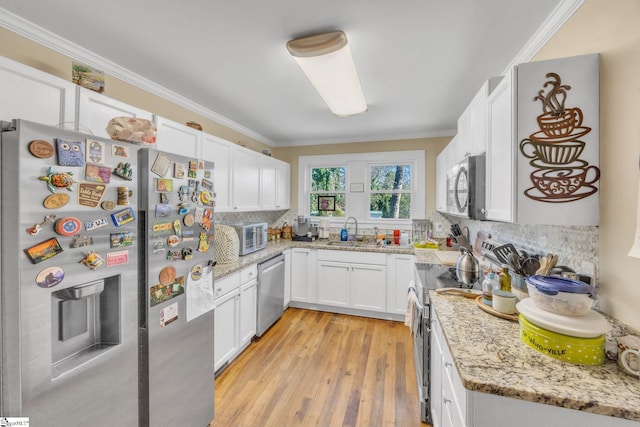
(446, 401)
(219, 289)
(448, 364)
(483, 210)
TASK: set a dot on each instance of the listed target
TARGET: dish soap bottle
(505, 279)
(344, 235)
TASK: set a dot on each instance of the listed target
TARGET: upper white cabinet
(274, 184)
(177, 138)
(246, 180)
(219, 151)
(472, 124)
(96, 110)
(500, 176)
(34, 95)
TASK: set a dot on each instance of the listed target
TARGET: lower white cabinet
(400, 271)
(235, 314)
(303, 275)
(287, 277)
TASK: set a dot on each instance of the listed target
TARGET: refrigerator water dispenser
(85, 322)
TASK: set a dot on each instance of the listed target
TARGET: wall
(611, 28)
(42, 58)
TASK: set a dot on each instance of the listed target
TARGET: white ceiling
(420, 61)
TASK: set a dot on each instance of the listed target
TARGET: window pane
(328, 179)
(396, 177)
(338, 206)
(390, 205)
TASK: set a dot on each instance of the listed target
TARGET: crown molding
(396, 137)
(556, 19)
(33, 32)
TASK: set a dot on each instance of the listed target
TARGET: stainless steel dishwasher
(270, 292)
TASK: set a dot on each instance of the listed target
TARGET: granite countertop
(491, 358)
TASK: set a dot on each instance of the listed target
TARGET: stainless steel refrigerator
(106, 311)
(176, 300)
(69, 278)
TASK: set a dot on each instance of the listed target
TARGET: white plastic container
(503, 302)
(560, 295)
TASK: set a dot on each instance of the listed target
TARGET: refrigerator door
(176, 290)
(69, 317)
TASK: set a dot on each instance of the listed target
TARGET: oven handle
(414, 295)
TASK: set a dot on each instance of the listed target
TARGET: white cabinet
(472, 124)
(303, 275)
(219, 151)
(287, 277)
(235, 314)
(246, 180)
(400, 271)
(352, 279)
(274, 184)
(177, 138)
(31, 94)
(283, 185)
(500, 166)
(96, 110)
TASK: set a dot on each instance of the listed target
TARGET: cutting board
(448, 258)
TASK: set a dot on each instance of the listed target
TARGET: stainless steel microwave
(466, 188)
(252, 236)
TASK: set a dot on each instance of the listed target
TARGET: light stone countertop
(491, 358)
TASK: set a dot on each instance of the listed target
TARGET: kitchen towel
(411, 300)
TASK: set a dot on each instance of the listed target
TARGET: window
(390, 191)
(377, 188)
(328, 191)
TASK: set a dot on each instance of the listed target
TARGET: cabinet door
(248, 310)
(369, 287)
(287, 277)
(465, 123)
(435, 373)
(303, 277)
(96, 110)
(268, 183)
(246, 180)
(500, 166)
(177, 138)
(333, 283)
(226, 329)
(31, 94)
(283, 185)
(400, 271)
(441, 182)
(478, 128)
(219, 151)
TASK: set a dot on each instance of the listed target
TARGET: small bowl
(560, 295)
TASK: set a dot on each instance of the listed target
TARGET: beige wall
(37, 56)
(612, 29)
(432, 147)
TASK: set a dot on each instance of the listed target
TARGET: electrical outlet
(589, 269)
(439, 227)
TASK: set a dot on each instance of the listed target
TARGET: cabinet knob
(483, 210)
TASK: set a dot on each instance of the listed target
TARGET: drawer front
(249, 273)
(458, 392)
(226, 284)
(352, 257)
(451, 411)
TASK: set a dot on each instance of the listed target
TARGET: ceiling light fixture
(327, 62)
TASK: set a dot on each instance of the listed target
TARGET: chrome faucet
(355, 237)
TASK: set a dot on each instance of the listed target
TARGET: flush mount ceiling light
(327, 62)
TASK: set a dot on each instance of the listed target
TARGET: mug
(562, 182)
(558, 153)
(629, 355)
(562, 124)
(123, 195)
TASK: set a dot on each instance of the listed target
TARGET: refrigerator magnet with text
(96, 223)
(96, 151)
(55, 201)
(58, 180)
(164, 185)
(97, 173)
(198, 214)
(173, 241)
(208, 185)
(90, 194)
(168, 314)
(80, 241)
(179, 170)
(163, 211)
(193, 169)
(123, 217)
(120, 240)
(158, 246)
(161, 165)
(93, 260)
(196, 272)
(44, 250)
(41, 149)
(70, 153)
(187, 235)
(124, 171)
(36, 228)
(68, 226)
(117, 258)
(162, 228)
(50, 277)
(167, 275)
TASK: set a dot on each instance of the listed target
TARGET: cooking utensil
(467, 267)
(543, 265)
(481, 236)
(467, 293)
(455, 230)
(502, 252)
(529, 266)
(514, 261)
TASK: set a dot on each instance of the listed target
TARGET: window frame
(370, 191)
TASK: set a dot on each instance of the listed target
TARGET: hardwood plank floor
(322, 369)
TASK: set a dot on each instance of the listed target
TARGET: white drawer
(459, 393)
(452, 412)
(249, 273)
(226, 284)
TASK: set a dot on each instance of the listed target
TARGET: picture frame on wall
(326, 203)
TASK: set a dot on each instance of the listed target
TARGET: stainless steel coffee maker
(304, 227)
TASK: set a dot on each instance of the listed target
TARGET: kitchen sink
(353, 244)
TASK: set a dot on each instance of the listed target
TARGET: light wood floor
(322, 369)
